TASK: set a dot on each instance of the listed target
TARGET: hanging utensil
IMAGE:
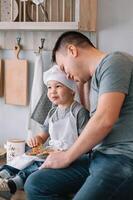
(32, 10)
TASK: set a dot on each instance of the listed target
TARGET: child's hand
(35, 141)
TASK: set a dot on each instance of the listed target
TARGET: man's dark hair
(70, 37)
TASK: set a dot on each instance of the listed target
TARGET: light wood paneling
(88, 13)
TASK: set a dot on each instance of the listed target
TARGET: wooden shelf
(39, 26)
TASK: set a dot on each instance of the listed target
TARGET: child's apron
(63, 132)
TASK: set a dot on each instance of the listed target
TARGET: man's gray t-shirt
(115, 74)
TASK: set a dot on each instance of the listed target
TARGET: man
(109, 132)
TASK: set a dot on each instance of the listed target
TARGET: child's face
(59, 94)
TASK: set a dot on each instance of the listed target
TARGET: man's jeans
(106, 177)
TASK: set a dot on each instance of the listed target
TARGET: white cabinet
(50, 15)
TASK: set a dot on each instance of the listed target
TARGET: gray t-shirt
(81, 117)
(115, 74)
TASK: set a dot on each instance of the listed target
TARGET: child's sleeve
(82, 119)
(45, 125)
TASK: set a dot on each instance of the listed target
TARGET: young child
(62, 126)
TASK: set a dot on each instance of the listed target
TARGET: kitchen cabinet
(48, 15)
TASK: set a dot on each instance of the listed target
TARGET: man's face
(70, 65)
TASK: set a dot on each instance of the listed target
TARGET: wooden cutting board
(1, 79)
(16, 80)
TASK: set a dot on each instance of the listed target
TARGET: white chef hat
(54, 73)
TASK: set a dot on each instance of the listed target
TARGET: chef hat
(54, 73)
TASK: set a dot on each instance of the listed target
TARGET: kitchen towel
(42, 108)
(37, 85)
(36, 93)
(39, 105)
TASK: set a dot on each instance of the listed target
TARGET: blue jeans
(111, 178)
(56, 184)
(106, 177)
(23, 174)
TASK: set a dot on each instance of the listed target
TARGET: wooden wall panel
(88, 13)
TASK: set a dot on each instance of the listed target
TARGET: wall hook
(40, 48)
(17, 47)
(18, 40)
(42, 44)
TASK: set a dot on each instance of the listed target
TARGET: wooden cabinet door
(87, 15)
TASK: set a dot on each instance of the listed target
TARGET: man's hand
(55, 160)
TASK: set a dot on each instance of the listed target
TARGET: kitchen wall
(114, 32)
(115, 25)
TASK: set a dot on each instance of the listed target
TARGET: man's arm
(97, 128)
